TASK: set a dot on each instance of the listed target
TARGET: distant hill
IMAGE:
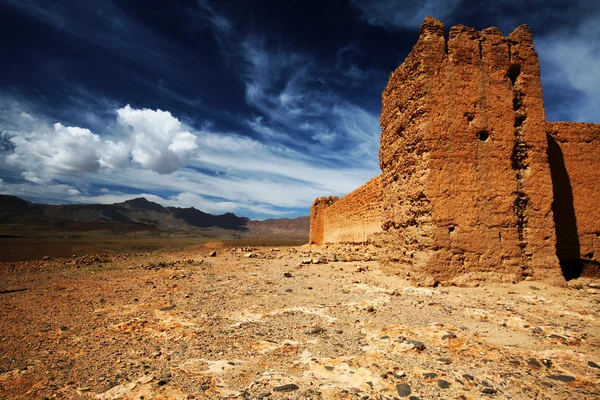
(143, 215)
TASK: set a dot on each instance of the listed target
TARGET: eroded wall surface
(574, 155)
(317, 218)
(356, 217)
(466, 184)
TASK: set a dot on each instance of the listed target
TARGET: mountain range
(142, 215)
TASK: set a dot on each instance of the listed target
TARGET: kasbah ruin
(476, 186)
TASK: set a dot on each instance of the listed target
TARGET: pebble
(286, 388)
(561, 378)
(287, 274)
(315, 331)
(430, 375)
(489, 391)
(403, 389)
(418, 345)
(443, 384)
(547, 363)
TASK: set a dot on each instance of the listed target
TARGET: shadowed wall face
(574, 155)
(563, 209)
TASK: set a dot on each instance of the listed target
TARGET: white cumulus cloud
(44, 153)
(159, 141)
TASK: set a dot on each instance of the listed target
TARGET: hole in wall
(483, 135)
(451, 228)
(513, 72)
(517, 100)
(519, 119)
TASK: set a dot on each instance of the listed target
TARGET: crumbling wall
(574, 154)
(466, 184)
(317, 218)
(356, 217)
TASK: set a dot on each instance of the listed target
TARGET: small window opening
(483, 135)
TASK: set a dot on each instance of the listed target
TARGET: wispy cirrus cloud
(403, 13)
(570, 64)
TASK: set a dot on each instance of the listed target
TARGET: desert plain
(252, 319)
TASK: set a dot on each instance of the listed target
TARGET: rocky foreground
(286, 323)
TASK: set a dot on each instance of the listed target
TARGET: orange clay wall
(574, 155)
(354, 218)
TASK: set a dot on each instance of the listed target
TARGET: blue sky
(252, 107)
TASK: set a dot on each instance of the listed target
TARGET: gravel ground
(265, 323)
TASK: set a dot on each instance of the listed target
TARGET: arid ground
(255, 322)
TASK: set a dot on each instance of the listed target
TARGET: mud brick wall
(317, 218)
(466, 187)
(574, 155)
(356, 217)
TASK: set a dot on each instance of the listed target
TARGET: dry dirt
(182, 324)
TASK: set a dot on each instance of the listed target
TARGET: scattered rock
(288, 274)
(489, 391)
(562, 378)
(442, 384)
(213, 254)
(403, 389)
(286, 388)
(547, 363)
(575, 285)
(417, 345)
(593, 365)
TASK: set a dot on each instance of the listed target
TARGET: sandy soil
(183, 324)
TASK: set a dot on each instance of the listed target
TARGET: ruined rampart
(355, 218)
(467, 189)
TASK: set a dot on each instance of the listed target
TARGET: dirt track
(182, 324)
